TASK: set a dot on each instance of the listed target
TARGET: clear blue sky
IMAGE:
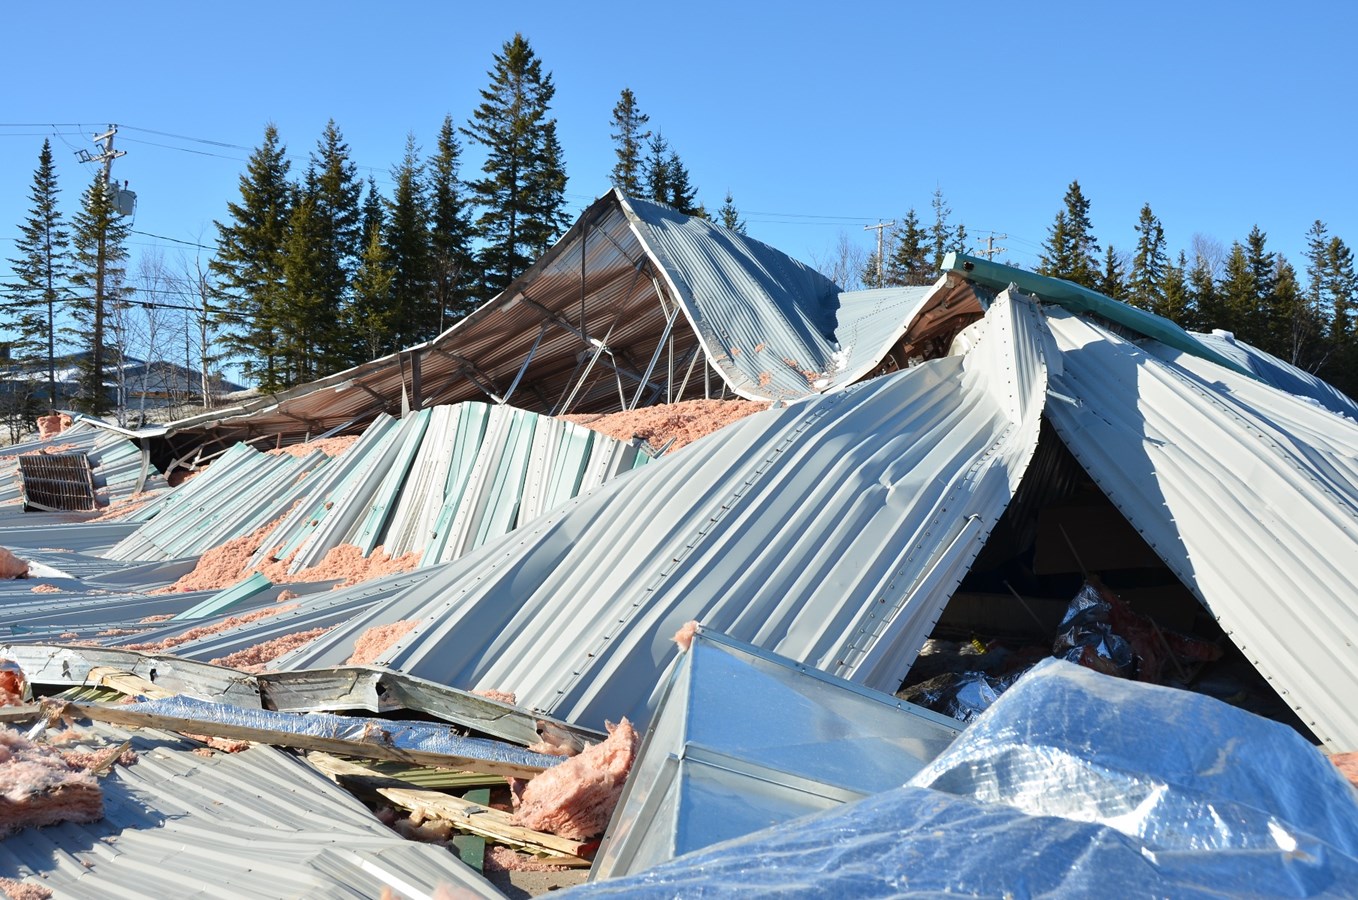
(819, 117)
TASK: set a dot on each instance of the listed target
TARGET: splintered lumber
(339, 746)
(25, 713)
(465, 815)
(126, 683)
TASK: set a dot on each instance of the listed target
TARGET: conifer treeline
(1257, 294)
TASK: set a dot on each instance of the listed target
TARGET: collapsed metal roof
(635, 304)
(882, 494)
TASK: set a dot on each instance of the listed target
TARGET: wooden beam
(361, 749)
(476, 818)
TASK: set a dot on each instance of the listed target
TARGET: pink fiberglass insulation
(334, 446)
(38, 787)
(256, 658)
(23, 890)
(215, 628)
(1348, 766)
(372, 643)
(501, 696)
(45, 589)
(684, 636)
(576, 798)
(684, 422)
(12, 566)
(12, 683)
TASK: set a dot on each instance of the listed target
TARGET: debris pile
(40, 787)
(575, 799)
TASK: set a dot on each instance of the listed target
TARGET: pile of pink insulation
(38, 786)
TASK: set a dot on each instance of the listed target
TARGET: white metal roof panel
(1248, 493)
(831, 532)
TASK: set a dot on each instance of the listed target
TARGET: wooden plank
(26, 713)
(361, 749)
(126, 683)
(476, 818)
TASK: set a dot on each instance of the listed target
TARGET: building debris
(848, 538)
(42, 787)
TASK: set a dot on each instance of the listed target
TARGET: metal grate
(57, 481)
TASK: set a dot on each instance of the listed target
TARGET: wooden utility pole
(107, 156)
(881, 227)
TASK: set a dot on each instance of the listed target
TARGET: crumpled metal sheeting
(1072, 784)
(889, 489)
(1177, 770)
(254, 824)
(743, 739)
(221, 504)
(428, 737)
(775, 328)
(1268, 368)
(1249, 495)
(116, 461)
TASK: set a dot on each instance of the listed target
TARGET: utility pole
(990, 248)
(107, 156)
(881, 227)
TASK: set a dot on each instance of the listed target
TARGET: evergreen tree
(522, 196)
(454, 269)
(729, 217)
(1149, 265)
(656, 169)
(310, 343)
(249, 263)
(908, 263)
(373, 215)
(1208, 311)
(99, 238)
(1113, 278)
(629, 136)
(1178, 295)
(335, 223)
(943, 237)
(1294, 326)
(41, 269)
(1239, 295)
(372, 322)
(410, 254)
(1071, 252)
(1341, 291)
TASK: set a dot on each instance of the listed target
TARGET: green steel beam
(1078, 299)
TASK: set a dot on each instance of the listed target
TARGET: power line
(175, 240)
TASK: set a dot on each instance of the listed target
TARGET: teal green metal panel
(224, 600)
(1079, 299)
(384, 499)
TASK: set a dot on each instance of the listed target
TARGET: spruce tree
(99, 238)
(372, 315)
(40, 269)
(1146, 286)
(453, 266)
(943, 237)
(410, 254)
(1178, 295)
(1113, 278)
(1071, 252)
(1239, 295)
(656, 169)
(522, 196)
(908, 263)
(336, 222)
(373, 214)
(629, 137)
(729, 217)
(1341, 289)
(1207, 310)
(248, 266)
(310, 341)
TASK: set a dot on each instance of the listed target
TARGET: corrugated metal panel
(775, 328)
(1270, 370)
(1248, 494)
(674, 296)
(253, 824)
(879, 497)
(744, 740)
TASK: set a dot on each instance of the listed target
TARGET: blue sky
(819, 117)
